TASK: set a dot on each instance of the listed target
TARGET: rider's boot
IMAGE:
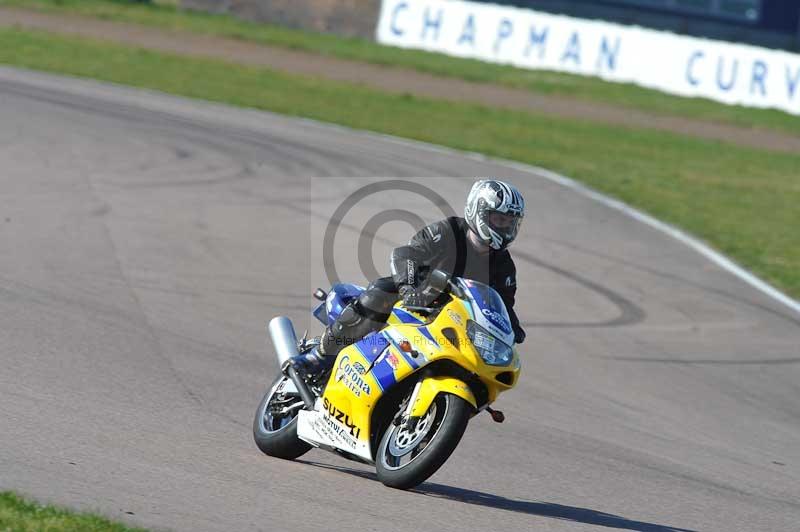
(313, 362)
(351, 326)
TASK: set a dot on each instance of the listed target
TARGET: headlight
(493, 351)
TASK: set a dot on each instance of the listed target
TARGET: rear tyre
(275, 423)
(406, 458)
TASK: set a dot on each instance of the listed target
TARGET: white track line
(164, 102)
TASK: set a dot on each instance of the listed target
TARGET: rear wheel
(407, 457)
(275, 423)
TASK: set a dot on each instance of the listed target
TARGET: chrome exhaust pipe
(281, 331)
(284, 340)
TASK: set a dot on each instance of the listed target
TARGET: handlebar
(448, 285)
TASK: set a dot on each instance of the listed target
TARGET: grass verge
(19, 514)
(166, 15)
(743, 201)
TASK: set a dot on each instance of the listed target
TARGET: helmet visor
(504, 224)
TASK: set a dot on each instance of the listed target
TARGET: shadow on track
(541, 509)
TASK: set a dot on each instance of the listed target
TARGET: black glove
(416, 297)
(519, 336)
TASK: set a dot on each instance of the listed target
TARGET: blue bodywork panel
(340, 295)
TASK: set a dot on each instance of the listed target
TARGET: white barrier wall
(730, 73)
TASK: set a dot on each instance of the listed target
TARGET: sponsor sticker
(331, 431)
(410, 269)
(732, 73)
(392, 360)
(497, 319)
(455, 316)
(340, 425)
(351, 377)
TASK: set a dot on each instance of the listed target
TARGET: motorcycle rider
(473, 247)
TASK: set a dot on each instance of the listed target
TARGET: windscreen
(489, 310)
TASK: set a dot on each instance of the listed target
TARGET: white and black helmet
(494, 212)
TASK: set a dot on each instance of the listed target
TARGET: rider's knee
(377, 300)
(376, 306)
(350, 315)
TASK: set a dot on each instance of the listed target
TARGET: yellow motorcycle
(400, 398)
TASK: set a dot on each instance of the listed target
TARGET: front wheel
(275, 423)
(406, 458)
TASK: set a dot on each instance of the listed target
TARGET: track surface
(147, 239)
(393, 80)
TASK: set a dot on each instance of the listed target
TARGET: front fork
(411, 422)
(425, 392)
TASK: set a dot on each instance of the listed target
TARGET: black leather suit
(441, 245)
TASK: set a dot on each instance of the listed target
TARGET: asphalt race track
(147, 240)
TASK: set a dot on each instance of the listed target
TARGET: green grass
(164, 14)
(21, 515)
(744, 201)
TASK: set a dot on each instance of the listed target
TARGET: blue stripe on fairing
(363, 351)
(427, 334)
(384, 374)
(371, 346)
(411, 362)
(404, 316)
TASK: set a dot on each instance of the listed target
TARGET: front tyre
(406, 458)
(275, 423)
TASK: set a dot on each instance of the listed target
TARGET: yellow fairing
(365, 371)
(433, 386)
(451, 324)
(351, 394)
